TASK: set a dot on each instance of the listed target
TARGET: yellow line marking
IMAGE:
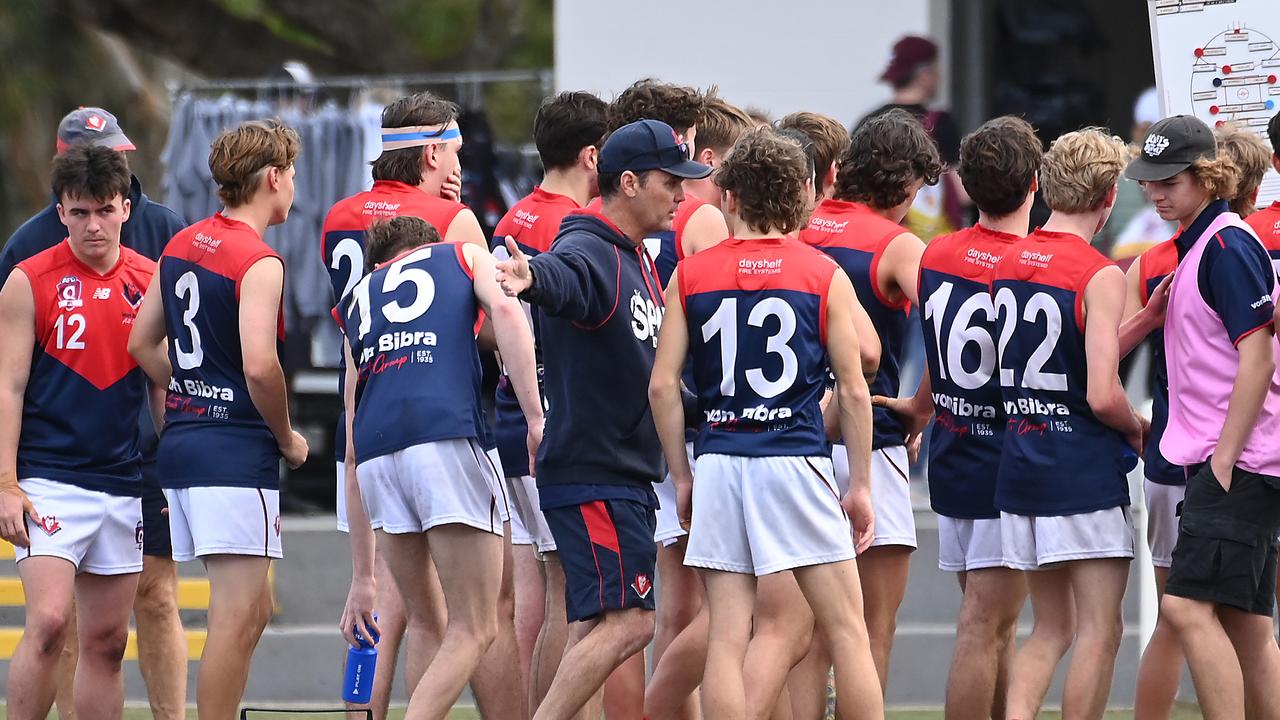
(10, 636)
(193, 593)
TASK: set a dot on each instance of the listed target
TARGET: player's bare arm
(514, 339)
(854, 399)
(1257, 365)
(18, 328)
(706, 228)
(260, 294)
(147, 342)
(899, 272)
(465, 228)
(357, 614)
(1103, 305)
(1141, 318)
(664, 394)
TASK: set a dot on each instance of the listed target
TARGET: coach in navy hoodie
(601, 304)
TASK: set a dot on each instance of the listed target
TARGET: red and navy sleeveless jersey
(666, 248)
(342, 244)
(210, 420)
(412, 328)
(342, 237)
(959, 323)
(533, 223)
(757, 315)
(1266, 223)
(1153, 266)
(856, 237)
(1058, 458)
(84, 393)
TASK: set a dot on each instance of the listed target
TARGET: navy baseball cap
(92, 125)
(649, 145)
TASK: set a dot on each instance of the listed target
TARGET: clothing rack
(544, 77)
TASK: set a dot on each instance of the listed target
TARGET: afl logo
(69, 293)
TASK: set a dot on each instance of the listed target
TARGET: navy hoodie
(149, 228)
(601, 306)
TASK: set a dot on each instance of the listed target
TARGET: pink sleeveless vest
(1202, 366)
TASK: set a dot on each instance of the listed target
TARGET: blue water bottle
(362, 661)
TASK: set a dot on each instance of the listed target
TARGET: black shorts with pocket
(1226, 550)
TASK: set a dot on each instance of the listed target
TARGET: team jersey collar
(1188, 237)
(843, 206)
(1041, 235)
(543, 196)
(770, 242)
(997, 234)
(233, 224)
(394, 186)
(71, 255)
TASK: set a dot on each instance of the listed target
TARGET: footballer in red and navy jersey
(1058, 457)
(412, 328)
(959, 324)
(84, 392)
(214, 435)
(758, 338)
(856, 238)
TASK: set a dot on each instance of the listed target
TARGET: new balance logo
(102, 293)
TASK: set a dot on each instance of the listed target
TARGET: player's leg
(883, 571)
(833, 591)
(612, 638)
(1252, 637)
(469, 563)
(993, 598)
(65, 701)
(781, 632)
(530, 603)
(1215, 670)
(530, 592)
(393, 623)
(162, 646)
(730, 602)
(103, 603)
(807, 684)
(237, 617)
(673, 688)
(553, 637)
(1160, 670)
(1051, 635)
(424, 619)
(680, 595)
(498, 683)
(884, 566)
(1097, 586)
(624, 690)
(33, 669)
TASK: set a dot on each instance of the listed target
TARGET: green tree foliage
(119, 54)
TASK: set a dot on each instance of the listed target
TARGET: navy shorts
(608, 554)
(155, 523)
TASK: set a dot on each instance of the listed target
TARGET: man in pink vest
(1224, 425)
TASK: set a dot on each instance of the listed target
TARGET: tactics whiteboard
(1220, 61)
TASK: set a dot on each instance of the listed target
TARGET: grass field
(1182, 712)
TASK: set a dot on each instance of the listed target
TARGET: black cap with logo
(1171, 146)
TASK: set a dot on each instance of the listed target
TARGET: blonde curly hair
(1080, 168)
(1251, 158)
